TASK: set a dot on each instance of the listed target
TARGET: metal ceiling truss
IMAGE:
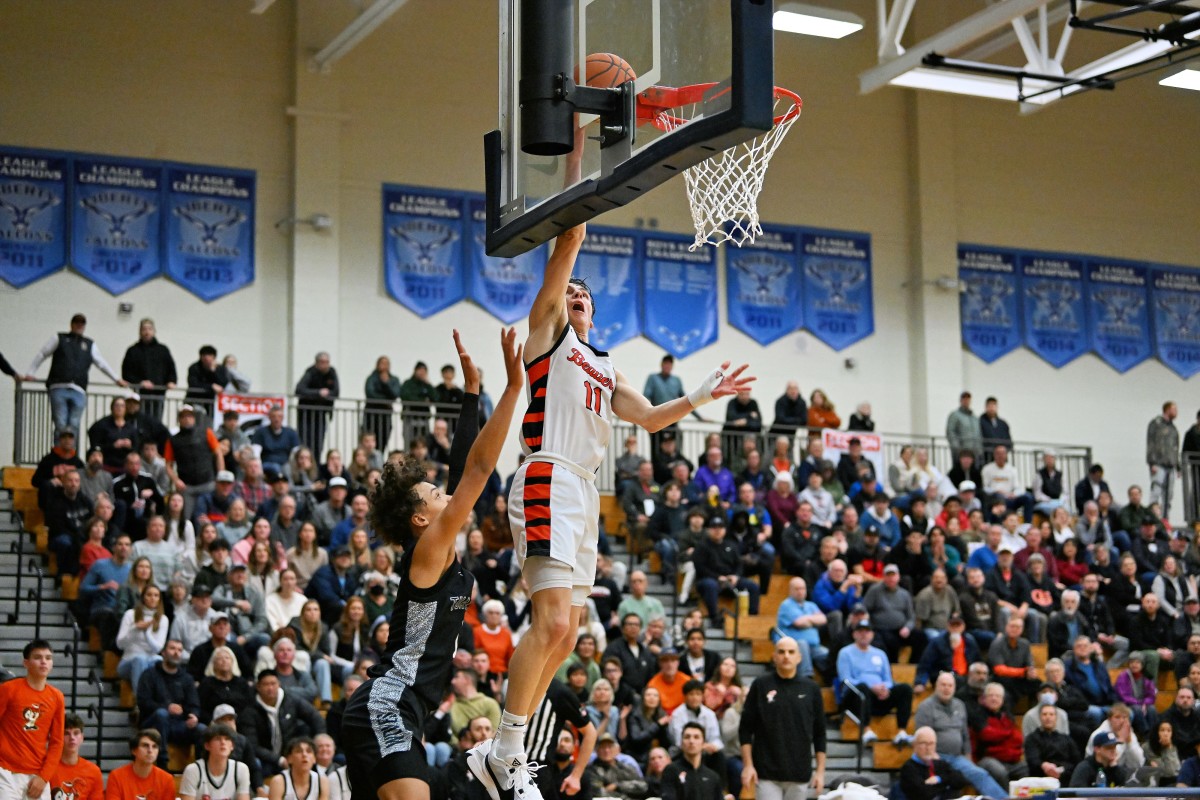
(955, 59)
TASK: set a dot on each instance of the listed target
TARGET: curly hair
(394, 500)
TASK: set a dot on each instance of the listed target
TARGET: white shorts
(13, 786)
(554, 512)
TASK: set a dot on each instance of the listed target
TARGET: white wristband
(704, 392)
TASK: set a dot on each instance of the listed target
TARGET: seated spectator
(719, 569)
(1011, 587)
(215, 574)
(223, 684)
(297, 778)
(836, 593)
(1087, 673)
(1162, 754)
(1070, 563)
(66, 510)
(639, 498)
(1172, 587)
(493, 635)
(99, 588)
(669, 681)
(136, 496)
(285, 602)
(312, 640)
(666, 526)
(246, 609)
(167, 701)
(162, 554)
(946, 716)
(980, 608)
(1068, 624)
(348, 636)
(213, 506)
(998, 743)
(750, 526)
(1043, 593)
(236, 527)
(868, 670)
(74, 776)
(1150, 633)
(948, 654)
(297, 683)
(715, 480)
(306, 556)
(638, 602)
(275, 717)
(893, 618)
(1147, 549)
(191, 625)
(925, 775)
(1138, 692)
(142, 636)
(206, 777)
(220, 629)
(334, 509)
(276, 439)
(610, 777)
(602, 709)
(694, 714)
(1011, 661)
(94, 479)
(935, 604)
(1049, 753)
(879, 515)
(62, 458)
(1101, 768)
(140, 575)
(340, 535)
(142, 778)
(93, 549)
(1130, 755)
(911, 560)
(1068, 699)
(800, 618)
(781, 499)
(1184, 719)
(799, 542)
(824, 505)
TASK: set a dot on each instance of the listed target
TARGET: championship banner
(423, 248)
(679, 306)
(838, 307)
(33, 215)
(1054, 314)
(990, 311)
(1118, 312)
(504, 287)
(763, 286)
(608, 263)
(116, 221)
(838, 442)
(252, 409)
(1176, 298)
(210, 229)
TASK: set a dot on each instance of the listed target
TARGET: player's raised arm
(631, 405)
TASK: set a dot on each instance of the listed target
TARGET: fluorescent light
(940, 80)
(1187, 79)
(815, 21)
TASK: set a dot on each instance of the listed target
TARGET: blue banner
(1054, 313)
(679, 305)
(989, 304)
(1118, 312)
(1176, 298)
(210, 229)
(423, 248)
(33, 215)
(116, 221)
(608, 262)
(504, 287)
(838, 308)
(763, 285)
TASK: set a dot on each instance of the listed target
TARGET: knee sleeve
(543, 572)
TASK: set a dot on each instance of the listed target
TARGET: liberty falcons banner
(763, 285)
(423, 248)
(679, 306)
(838, 307)
(989, 306)
(1118, 312)
(504, 287)
(1055, 317)
(33, 215)
(608, 262)
(116, 221)
(210, 229)
(1176, 298)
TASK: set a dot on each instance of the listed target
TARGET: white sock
(511, 740)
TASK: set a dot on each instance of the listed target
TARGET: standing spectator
(382, 391)
(238, 380)
(782, 730)
(8, 369)
(62, 458)
(1001, 482)
(71, 357)
(317, 389)
(136, 496)
(999, 745)
(992, 428)
(663, 387)
(861, 420)
(1162, 454)
(206, 379)
(821, 413)
(946, 716)
(868, 670)
(416, 393)
(142, 779)
(76, 777)
(115, 434)
(167, 701)
(32, 716)
(1090, 487)
(276, 439)
(194, 459)
(448, 396)
(148, 365)
(963, 429)
(66, 511)
(791, 412)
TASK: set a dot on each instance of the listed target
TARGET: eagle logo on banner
(1054, 305)
(118, 209)
(1120, 310)
(1183, 315)
(212, 221)
(838, 279)
(23, 215)
(418, 243)
(985, 296)
(758, 278)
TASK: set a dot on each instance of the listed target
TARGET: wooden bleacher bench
(111, 660)
(827, 695)
(94, 640)
(17, 477)
(70, 587)
(128, 698)
(888, 756)
(885, 727)
(613, 515)
(1164, 700)
(178, 757)
(1040, 655)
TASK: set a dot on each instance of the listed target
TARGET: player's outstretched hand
(470, 372)
(732, 382)
(512, 358)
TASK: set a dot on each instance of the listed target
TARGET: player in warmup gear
(76, 778)
(574, 393)
(383, 722)
(31, 727)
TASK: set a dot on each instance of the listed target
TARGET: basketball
(605, 70)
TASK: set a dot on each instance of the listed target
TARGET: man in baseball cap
(1100, 769)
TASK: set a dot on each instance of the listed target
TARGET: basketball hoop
(723, 190)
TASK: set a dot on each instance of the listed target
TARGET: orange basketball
(605, 70)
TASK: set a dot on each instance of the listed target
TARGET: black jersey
(424, 635)
(559, 706)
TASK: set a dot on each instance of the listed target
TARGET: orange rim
(654, 104)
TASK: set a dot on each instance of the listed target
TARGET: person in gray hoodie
(893, 616)
(963, 430)
(947, 716)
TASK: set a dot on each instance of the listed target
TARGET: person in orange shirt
(141, 779)
(31, 727)
(76, 778)
(494, 636)
(669, 680)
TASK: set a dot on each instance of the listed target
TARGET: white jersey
(570, 402)
(198, 782)
(289, 786)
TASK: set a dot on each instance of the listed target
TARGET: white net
(723, 190)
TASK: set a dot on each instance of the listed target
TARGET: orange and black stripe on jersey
(536, 499)
(538, 374)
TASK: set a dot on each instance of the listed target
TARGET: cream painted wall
(211, 83)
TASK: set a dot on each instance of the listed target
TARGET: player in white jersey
(554, 508)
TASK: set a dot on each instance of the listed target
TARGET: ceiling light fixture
(815, 21)
(1187, 79)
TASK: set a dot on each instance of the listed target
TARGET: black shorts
(363, 742)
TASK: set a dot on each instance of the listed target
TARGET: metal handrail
(36, 595)
(862, 724)
(1190, 478)
(96, 710)
(17, 547)
(72, 651)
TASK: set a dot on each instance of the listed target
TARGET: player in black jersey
(381, 730)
